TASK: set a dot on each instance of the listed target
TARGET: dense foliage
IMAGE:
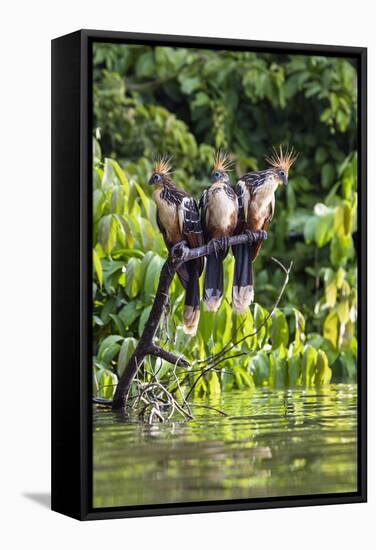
(186, 102)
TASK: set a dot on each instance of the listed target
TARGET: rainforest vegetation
(188, 102)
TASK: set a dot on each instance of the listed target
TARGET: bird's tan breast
(221, 212)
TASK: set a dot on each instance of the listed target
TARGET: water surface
(274, 443)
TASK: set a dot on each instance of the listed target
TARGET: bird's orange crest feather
(222, 161)
(282, 160)
(162, 165)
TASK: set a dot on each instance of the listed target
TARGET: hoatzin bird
(219, 212)
(255, 192)
(178, 219)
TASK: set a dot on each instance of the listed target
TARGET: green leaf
(341, 249)
(146, 202)
(152, 275)
(310, 229)
(98, 204)
(127, 348)
(308, 365)
(117, 200)
(145, 65)
(107, 233)
(343, 311)
(330, 328)
(133, 283)
(120, 175)
(331, 291)
(294, 370)
(214, 385)
(98, 267)
(321, 155)
(323, 372)
(279, 333)
(260, 368)
(327, 174)
(129, 313)
(324, 229)
(143, 318)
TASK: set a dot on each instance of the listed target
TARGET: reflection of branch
(146, 344)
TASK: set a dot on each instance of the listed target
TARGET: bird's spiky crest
(162, 165)
(222, 161)
(282, 160)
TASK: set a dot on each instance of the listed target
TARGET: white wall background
(26, 30)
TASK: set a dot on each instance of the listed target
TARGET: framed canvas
(208, 274)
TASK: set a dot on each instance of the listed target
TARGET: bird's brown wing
(182, 271)
(191, 228)
(257, 246)
(239, 191)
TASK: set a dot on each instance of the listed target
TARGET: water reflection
(274, 443)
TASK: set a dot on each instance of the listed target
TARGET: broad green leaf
(331, 292)
(260, 368)
(294, 370)
(98, 204)
(143, 318)
(98, 267)
(129, 313)
(279, 333)
(308, 365)
(117, 200)
(343, 311)
(133, 283)
(323, 373)
(146, 202)
(214, 386)
(127, 348)
(107, 233)
(330, 328)
(152, 275)
(120, 175)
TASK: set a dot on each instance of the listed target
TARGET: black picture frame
(72, 272)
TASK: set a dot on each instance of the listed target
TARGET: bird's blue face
(282, 176)
(216, 175)
(155, 179)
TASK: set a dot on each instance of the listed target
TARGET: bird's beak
(151, 181)
(284, 180)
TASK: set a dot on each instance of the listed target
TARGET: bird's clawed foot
(177, 250)
(220, 245)
(262, 235)
(255, 236)
(224, 243)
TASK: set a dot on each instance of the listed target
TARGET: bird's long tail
(191, 314)
(213, 282)
(242, 286)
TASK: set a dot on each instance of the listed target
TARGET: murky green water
(276, 443)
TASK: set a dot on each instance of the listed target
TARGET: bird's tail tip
(191, 318)
(212, 304)
(212, 299)
(242, 298)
